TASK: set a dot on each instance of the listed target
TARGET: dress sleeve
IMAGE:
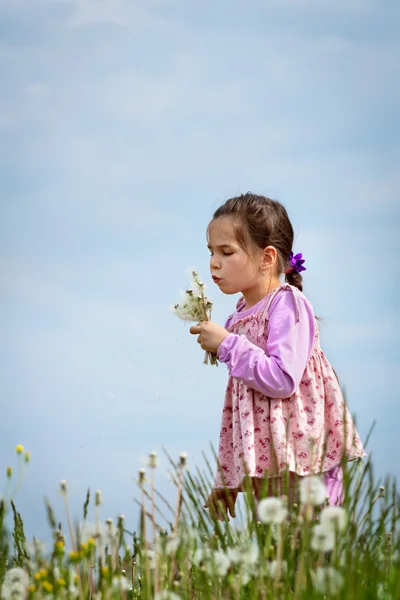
(275, 371)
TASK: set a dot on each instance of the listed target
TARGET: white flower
(172, 544)
(16, 575)
(15, 584)
(13, 592)
(323, 538)
(73, 590)
(167, 595)
(272, 567)
(327, 580)
(271, 510)
(200, 556)
(220, 563)
(153, 460)
(245, 554)
(312, 491)
(334, 517)
(121, 583)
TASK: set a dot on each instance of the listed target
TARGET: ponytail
(295, 279)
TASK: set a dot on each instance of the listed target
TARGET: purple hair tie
(296, 263)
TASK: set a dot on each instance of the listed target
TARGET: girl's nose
(213, 263)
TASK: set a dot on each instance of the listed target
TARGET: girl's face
(231, 268)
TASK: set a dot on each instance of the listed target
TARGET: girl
(283, 407)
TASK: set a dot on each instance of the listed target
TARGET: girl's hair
(260, 222)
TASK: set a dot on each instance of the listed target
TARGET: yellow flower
(74, 556)
(19, 449)
(31, 588)
(27, 457)
(9, 472)
(43, 573)
(37, 576)
(104, 570)
(91, 543)
(60, 582)
(47, 586)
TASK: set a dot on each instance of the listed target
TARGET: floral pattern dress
(259, 433)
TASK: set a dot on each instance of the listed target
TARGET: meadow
(274, 548)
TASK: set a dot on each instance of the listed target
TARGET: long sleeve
(277, 370)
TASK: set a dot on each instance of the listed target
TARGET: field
(274, 549)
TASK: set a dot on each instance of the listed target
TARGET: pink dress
(283, 400)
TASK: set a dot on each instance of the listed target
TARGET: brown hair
(261, 222)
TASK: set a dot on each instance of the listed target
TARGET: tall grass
(178, 551)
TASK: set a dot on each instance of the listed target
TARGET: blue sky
(124, 125)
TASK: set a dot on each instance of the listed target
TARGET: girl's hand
(219, 501)
(210, 335)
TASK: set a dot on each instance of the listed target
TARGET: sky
(123, 126)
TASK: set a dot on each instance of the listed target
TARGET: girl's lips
(216, 279)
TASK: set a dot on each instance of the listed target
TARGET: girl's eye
(227, 253)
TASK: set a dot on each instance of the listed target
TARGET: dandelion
(220, 563)
(15, 584)
(19, 449)
(327, 580)
(196, 307)
(246, 555)
(312, 491)
(334, 517)
(273, 566)
(63, 486)
(183, 459)
(97, 499)
(142, 476)
(271, 510)
(323, 538)
(153, 461)
(172, 544)
(120, 582)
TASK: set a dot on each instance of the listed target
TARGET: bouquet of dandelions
(196, 307)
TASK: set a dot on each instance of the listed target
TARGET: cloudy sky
(123, 125)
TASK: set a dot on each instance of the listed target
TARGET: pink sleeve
(277, 370)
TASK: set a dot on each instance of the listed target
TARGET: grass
(180, 552)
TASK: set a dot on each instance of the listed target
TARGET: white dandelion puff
(119, 582)
(219, 564)
(323, 538)
(327, 580)
(334, 517)
(273, 566)
(312, 491)
(271, 510)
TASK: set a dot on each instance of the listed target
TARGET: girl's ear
(269, 257)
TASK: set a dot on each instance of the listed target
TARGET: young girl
(283, 407)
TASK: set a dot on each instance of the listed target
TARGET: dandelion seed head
(327, 580)
(273, 566)
(152, 460)
(63, 486)
(323, 538)
(97, 500)
(312, 491)
(334, 517)
(271, 510)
